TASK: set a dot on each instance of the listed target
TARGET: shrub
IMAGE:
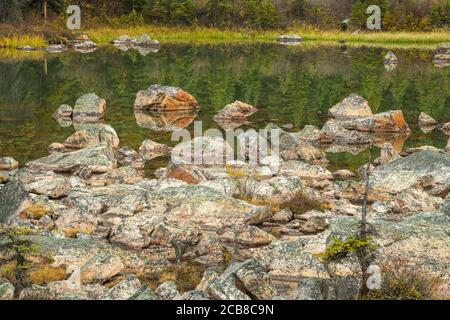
(132, 19)
(301, 203)
(187, 275)
(338, 249)
(45, 274)
(402, 281)
(36, 211)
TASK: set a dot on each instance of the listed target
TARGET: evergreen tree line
(259, 14)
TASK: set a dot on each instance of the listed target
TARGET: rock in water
(64, 111)
(385, 122)
(8, 163)
(144, 40)
(352, 107)
(403, 173)
(426, 121)
(442, 55)
(165, 121)
(289, 38)
(89, 108)
(85, 46)
(124, 39)
(236, 110)
(390, 58)
(98, 158)
(13, 199)
(334, 132)
(56, 48)
(161, 98)
(150, 149)
(446, 128)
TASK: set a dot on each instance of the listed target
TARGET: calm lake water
(295, 85)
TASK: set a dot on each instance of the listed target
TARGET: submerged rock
(385, 122)
(161, 98)
(86, 46)
(98, 158)
(124, 39)
(442, 55)
(334, 132)
(390, 58)
(150, 149)
(166, 121)
(426, 121)
(56, 48)
(446, 128)
(352, 107)
(64, 111)
(89, 108)
(144, 40)
(289, 38)
(235, 111)
(26, 48)
(8, 163)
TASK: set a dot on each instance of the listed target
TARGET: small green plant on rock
(14, 250)
(341, 249)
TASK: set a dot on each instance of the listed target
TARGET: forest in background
(397, 15)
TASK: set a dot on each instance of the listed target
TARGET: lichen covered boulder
(98, 158)
(162, 98)
(89, 108)
(352, 107)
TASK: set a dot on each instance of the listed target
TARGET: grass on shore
(211, 35)
(15, 41)
(202, 35)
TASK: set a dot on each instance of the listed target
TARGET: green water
(294, 85)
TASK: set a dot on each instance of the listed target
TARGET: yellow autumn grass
(212, 35)
(16, 40)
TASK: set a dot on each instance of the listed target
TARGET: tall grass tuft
(15, 41)
(213, 35)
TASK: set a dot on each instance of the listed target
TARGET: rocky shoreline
(219, 231)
